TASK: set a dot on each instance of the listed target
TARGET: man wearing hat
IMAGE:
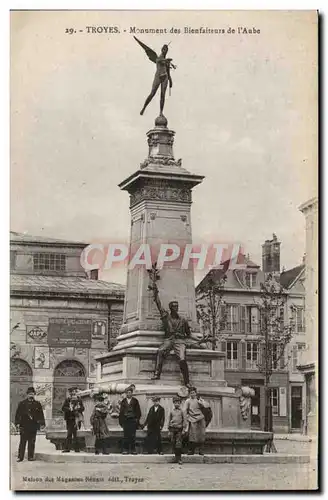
(73, 410)
(29, 418)
(129, 417)
(154, 422)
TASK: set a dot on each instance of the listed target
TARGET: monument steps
(82, 457)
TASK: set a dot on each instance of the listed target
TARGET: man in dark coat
(129, 417)
(73, 409)
(154, 422)
(29, 419)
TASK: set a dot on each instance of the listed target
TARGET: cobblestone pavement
(295, 447)
(32, 475)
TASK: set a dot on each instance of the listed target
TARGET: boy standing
(154, 422)
(177, 427)
(129, 417)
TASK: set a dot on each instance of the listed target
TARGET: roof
(24, 238)
(250, 263)
(313, 202)
(73, 285)
(217, 274)
(214, 274)
(287, 278)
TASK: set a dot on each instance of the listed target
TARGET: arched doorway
(21, 377)
(67, 374)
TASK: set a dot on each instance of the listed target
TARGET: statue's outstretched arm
(154, 277)
(157, 301)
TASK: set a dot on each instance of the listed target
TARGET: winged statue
(162, 75)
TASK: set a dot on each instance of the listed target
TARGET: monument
(159, 322)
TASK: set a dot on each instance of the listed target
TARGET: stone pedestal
(160, 203)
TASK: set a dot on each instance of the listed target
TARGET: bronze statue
(162, 75)
(177, 332)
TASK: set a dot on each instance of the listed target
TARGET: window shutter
(224, 349)
(294, 357)
(261, 353)
(237, 313)
(283, 401)
(256, 313)
(282, 361)
(223, 317)
(243, 355)
(242, 319)
(261, 322)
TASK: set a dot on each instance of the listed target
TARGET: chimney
(271, 255)
(93, 275)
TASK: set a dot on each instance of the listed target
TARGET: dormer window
(250, 280)
(49, 262)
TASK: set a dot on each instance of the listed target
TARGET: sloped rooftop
(288, 277)
(69, 285)
(27, 238)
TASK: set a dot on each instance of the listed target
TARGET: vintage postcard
(163, 250)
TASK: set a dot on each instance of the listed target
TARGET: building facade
(242, 340)
(60, 319)
(308, 364)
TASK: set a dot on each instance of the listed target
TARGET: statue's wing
(150, 52)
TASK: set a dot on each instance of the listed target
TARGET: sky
(243, 106)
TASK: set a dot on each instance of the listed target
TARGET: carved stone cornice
(162, 160)
(161, 138)
(161, 191)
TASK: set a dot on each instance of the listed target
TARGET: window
(49, 262)
(299, 319)
(250, 279)
(232, 355)
(252, 319)
(252, 355)
(232, 318)
(296, 355)
(275, 401)
(12, 259)
(274, 353)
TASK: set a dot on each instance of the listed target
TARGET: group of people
(188, 423)
(184, 424)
